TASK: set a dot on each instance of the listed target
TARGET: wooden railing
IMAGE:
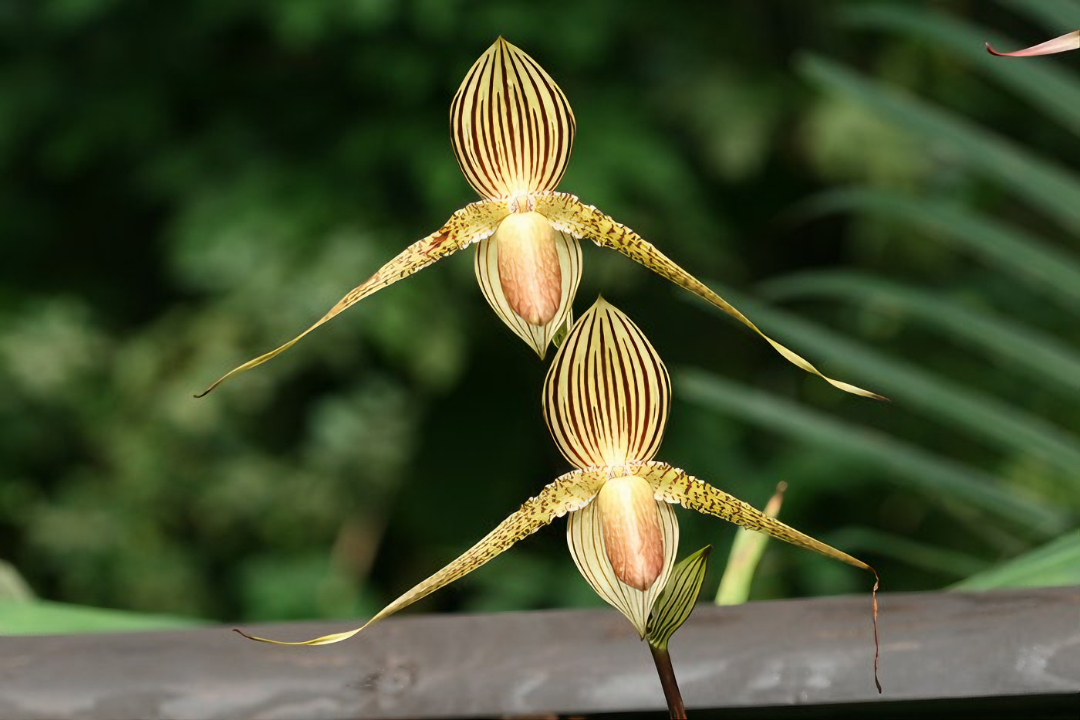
(996, 654)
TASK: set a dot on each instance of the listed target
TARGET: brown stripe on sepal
(607, 394)
(511, 126)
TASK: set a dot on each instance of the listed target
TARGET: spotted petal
(585, 536)
(675, 486)
(1071, 41)
(607, 394)
(568, 214)
(567, 494)
(510, 125)
(471, 224)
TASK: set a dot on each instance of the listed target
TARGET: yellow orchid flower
(606, 401)
(1070, 41)
(512, 130)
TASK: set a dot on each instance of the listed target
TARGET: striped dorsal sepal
(607, 394)
(510, 125)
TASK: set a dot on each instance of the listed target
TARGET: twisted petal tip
(1069, 41)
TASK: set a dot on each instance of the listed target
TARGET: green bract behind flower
(676, 602)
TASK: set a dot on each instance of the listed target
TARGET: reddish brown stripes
(607, 394)
(511, 127)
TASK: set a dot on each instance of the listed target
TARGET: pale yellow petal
(511, 127)
(585, 536)
(471, 224)
(568, 214)
(567, 494)
(607, 394)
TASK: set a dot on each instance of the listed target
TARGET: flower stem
(667, 680)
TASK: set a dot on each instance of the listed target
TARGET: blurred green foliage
(184, 185)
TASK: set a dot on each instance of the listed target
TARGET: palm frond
(1042, 358)
(1048, 87)
(1045, 185)
(1006, 427)
(1055, 563)
(1011, 250)
(908, 466)
(1054, 15)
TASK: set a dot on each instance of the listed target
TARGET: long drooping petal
(567, 494)
(585, 536)
(1070, 41)
(471, 224)
(510, 125)
(568, 214)
(607, 394)
(491, 271)
(676, 486)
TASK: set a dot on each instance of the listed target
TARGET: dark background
(185, 185)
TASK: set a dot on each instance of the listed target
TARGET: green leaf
(1049, 187)
(978, 414)
(1047, 86)
(1057, 16)
(12, 586)
(746, 552)
(676, 600)
(1041, 357)
(945, 561)
(1013, 251)
(563, 330)
(911, 467)
(1053, 564)
(50, 618)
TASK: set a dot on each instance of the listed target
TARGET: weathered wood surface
(1016, 649)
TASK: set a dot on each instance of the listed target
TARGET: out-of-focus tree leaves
(1055, 563)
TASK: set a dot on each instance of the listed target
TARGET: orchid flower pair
(512, 130)
(607, 394)
(606, 401)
